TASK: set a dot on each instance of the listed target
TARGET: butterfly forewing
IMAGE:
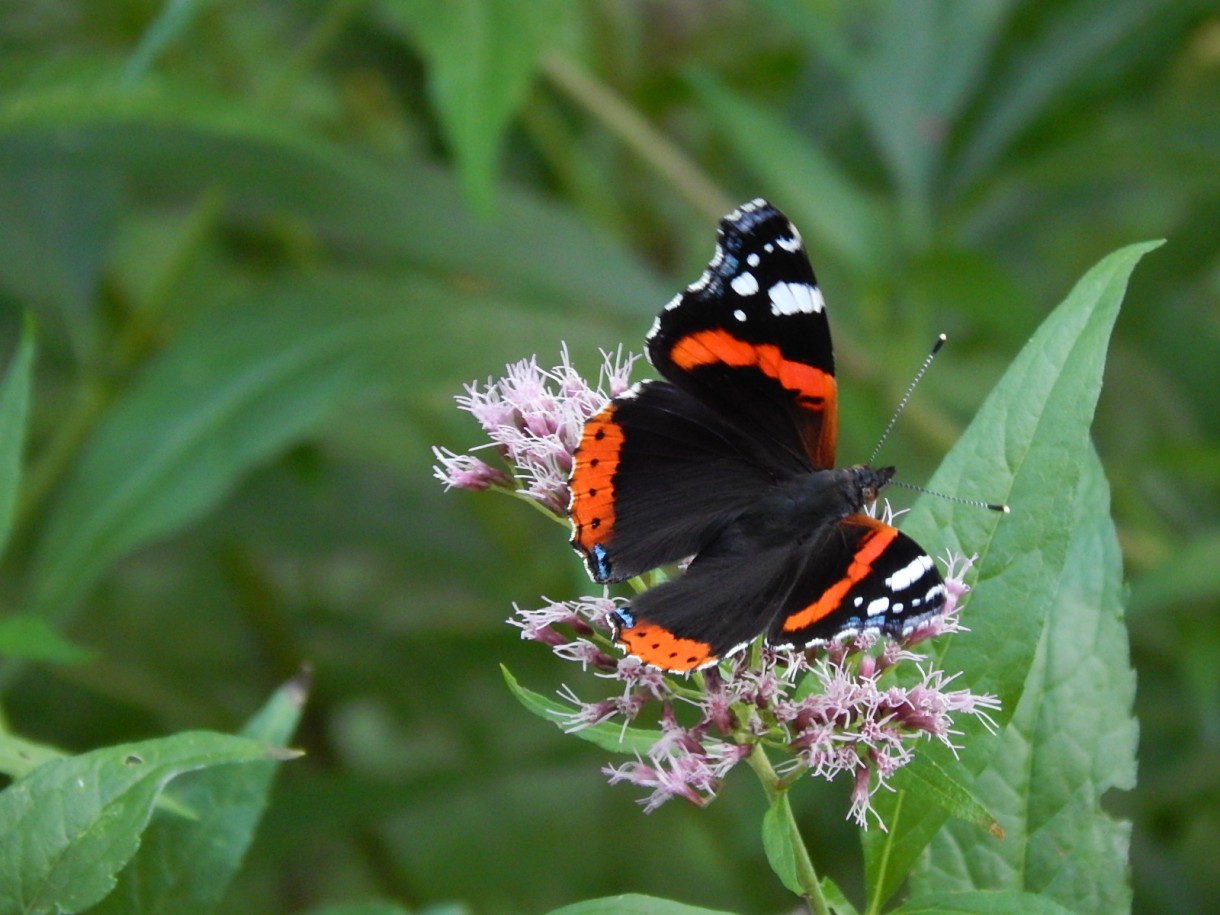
(750, 338)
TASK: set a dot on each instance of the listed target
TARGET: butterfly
(729, 459)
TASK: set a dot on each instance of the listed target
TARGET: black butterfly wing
(656, 475)
(719, 605)
(750, 339)
(860, 575)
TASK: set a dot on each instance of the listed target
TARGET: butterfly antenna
(940, 341)
(977, 503)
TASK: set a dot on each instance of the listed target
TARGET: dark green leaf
(73, 823)
(14, 407)
(831, 209)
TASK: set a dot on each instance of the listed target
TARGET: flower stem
(777, 795)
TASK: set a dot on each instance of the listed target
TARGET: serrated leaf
(608, 735)
(1027, 446)
(482, 55)
(14, 408)
(1071, 738)
(185, 865)
(633, 904)
(73, 823)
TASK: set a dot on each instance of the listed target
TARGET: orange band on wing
(871, 546)
(815, 389)
(661, 648)
(592, 507)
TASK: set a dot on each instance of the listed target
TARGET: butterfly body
(730, 460)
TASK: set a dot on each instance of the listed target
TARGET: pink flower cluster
(843, 711)
(534, 419)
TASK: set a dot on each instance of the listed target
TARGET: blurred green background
(265, 243)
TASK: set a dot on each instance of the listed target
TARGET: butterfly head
(868, 482)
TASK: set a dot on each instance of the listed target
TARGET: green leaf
(608, 735)
(482, 56)
(1027, 446)
(229, 393)
(73, 823)
(632, 904)
(382, 908)
(185, 865)
(14, 408)
(31, 639)
(1044, 66)
(979, 903)
(174, 19)
(403, 210)
(943, 785)
(834, 212)
(1071, 739)
(778, 845)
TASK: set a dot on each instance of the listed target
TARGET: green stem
(777, 795)
(670, 162)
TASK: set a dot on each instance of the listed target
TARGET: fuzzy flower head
(533, 418)
(856, 710)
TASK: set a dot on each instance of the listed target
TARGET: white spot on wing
(753, 259)
(880, 605)
(909, 574)
(795, 298)
(745, 284)
(739, 314)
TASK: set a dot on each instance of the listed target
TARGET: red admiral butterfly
(730, 460)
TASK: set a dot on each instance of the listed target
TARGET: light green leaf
(14, 408)
(31, 639)
(632, 904)
(482, 56)
(1027, 446)
(778, 843)
(174, 19)
(609, 735)
(1071, 739)
(979, 903)
(943, 785)
(73, 823)
(185, 865)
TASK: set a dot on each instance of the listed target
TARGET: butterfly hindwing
(865, 575)
(750, 338)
